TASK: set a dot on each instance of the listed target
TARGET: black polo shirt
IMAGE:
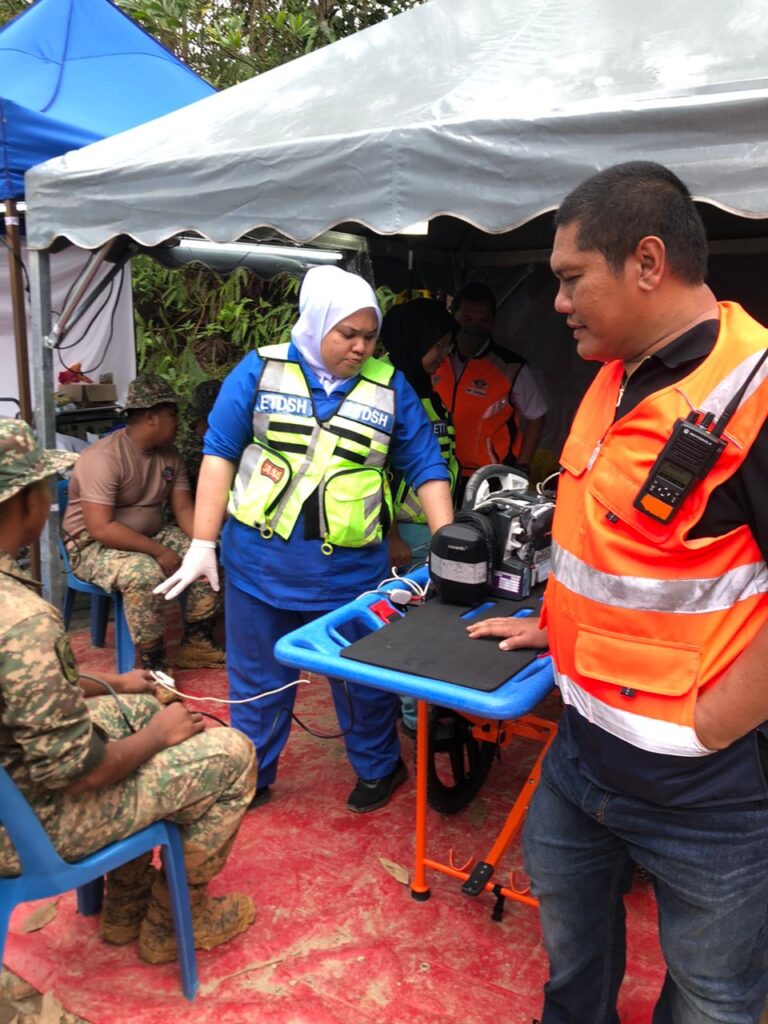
(734, 775)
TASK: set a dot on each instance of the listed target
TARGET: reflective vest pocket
(576, 455)
(636, 664)
(607, 478)
(357, 507)
(262, 477)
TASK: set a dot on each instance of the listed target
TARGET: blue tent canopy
(74, 71)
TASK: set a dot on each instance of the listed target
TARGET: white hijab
(328, 295)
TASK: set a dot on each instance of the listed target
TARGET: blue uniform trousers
(710, 872)
(367, 716)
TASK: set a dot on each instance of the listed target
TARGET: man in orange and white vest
(495, 401)
(655, 613)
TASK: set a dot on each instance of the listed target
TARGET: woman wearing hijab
(417, 335)
(295, 451)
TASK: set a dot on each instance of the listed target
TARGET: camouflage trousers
(203, 784)
(136, 575)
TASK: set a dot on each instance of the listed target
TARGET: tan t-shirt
(115, 472)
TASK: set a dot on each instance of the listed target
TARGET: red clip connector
(384, 610)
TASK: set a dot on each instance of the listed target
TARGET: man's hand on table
(515, 632)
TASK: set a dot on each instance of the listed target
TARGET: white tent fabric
(105, 334)
(489, 110)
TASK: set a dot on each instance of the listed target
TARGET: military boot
(154, 659)
(126, 900)
(198, 648)
(215, 920)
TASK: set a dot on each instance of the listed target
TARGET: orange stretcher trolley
(424, 652)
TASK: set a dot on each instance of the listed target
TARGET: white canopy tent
(489, 110)
(485, 110)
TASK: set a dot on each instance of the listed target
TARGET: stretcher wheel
(457, 763)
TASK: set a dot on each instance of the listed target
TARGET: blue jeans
(710, 871)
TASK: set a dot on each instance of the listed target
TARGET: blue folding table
(497, 716)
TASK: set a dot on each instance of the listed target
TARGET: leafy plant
(191, 326)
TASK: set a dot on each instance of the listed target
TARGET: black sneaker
(370, 794)
(262, 796)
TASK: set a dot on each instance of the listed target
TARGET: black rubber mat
(431, 640)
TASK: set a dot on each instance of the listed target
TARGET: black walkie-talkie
(692, 450)
(686, 458)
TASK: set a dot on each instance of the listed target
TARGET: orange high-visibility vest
(640, 618)
(479, 402)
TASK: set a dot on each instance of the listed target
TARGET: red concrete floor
(338, 940)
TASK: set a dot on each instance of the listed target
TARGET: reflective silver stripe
(719, 397)
(272, 376)
(691, 597)
(651, 734)
(298, 477)
(379, 448)
(495, 408)
(458, 572)
(371, 506)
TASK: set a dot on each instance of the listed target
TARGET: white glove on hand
(198, 563)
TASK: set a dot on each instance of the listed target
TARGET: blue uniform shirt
(295, 573)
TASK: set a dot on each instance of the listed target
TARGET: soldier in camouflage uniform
(119, 490)
(190, 443)
(97, 767)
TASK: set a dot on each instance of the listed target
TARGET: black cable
(207, 714)
(112, 316)
(335, 735)
(86, 302)
(105, 684)
(89, 325)
(19, 260)
(75, 280)
(733, 405)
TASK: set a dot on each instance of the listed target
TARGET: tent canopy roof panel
(74, 71)
(485, 110)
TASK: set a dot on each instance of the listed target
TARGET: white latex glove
(198, 563)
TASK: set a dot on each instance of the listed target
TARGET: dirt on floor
(20, 1003)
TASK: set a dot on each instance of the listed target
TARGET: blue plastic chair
(44, 873)
(125, 654)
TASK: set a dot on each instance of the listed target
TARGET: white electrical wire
(417, 589)
(164, 680)
(167, 683)
(542, 484)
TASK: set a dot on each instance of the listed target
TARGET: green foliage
(10, 8)
(229, 42)
(190, 326)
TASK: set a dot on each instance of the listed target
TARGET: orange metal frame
(528, 726)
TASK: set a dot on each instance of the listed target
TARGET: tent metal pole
(19, 314)
(45, 413)
(18, 307)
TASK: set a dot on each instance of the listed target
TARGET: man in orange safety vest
(656, 614)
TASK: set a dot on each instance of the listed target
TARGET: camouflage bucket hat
(202, 400)
(23, 461)
(147, 391)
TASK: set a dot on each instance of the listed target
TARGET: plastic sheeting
(489, 110)
(73, 71)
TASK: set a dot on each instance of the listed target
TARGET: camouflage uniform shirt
(47, 738)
